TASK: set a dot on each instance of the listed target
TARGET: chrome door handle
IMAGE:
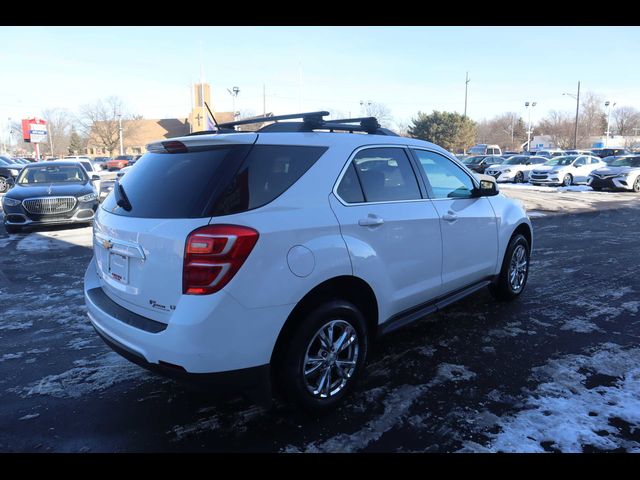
(370, 221)
(450, 217)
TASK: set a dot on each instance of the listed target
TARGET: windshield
(518, 160)
(477, 149)
(52, 174)
(562, 160)
(626, 162)
(474, 160)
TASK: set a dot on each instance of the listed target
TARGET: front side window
(447, 180)
(386, 175)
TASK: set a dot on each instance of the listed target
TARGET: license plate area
(119, 267)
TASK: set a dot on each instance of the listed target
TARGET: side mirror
(11, 182)
(488, 186)
(95, 178)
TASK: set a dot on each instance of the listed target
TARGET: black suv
(609, 152)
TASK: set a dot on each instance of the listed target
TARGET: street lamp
(577, 98)
(362, 104)
(120, 133)
(526, 104)
(607, 104)
(234, 94)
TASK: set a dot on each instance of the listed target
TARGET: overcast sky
(310, 68)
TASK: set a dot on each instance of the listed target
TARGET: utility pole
(120, 133)
(234, 94)
(608, 105)
(575, 132)
(526, 104)
(466, 85)
(264, 100)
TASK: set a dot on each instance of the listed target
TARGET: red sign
(34, 130)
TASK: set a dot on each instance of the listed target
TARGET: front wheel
(325, 356)
(567, 180)
(515, 270)
(4, 185)
(519, 178)
(636, 185)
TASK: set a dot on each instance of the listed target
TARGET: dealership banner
(34, 130)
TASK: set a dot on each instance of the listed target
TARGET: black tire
(12, 228)
(519, 178)
(502, 288)
(597, 189)
(290, 371)
(636, 185)
(567, 180)
(4, 186)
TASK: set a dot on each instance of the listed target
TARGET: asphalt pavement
(556, 370)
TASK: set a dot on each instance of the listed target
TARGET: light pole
(362, 106)
(577, 98)
(120, 133)
(526, 104)
(609, 106)
(234, 94)
(466, 85)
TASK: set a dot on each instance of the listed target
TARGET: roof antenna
(211, 113)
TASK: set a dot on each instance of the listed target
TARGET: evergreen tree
(450, 130)
(75, 143)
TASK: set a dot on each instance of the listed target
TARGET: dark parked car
(479, 163)
(9, 169)
(611, 158)
(608, 152)
(49, 193)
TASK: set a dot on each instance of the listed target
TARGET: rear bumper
(204, 336)
(255, 380)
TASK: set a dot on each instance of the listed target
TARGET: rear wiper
(121, 197)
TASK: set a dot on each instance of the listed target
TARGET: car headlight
(11, 202)
(89, 197)
(623, 175)
(506, 171)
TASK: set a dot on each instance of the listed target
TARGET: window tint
(265, 174)
(580, 162)
(447, 180)
(386, 175)
(349, 189)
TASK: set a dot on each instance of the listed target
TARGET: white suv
(278, 256)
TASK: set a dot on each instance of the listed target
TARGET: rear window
(212, 182)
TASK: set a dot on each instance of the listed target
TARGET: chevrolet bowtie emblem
(107, 244)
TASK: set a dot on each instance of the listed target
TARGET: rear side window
(386, 175)
(266, 173)
(349, 189)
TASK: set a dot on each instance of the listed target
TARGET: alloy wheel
(330, 359)
(4, 186)
(518, 268)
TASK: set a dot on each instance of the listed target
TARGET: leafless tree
(626, 120)
(592, 119)
(507, 130)
(59, 122)
(560, 127)
(100, 122)
(380, 111)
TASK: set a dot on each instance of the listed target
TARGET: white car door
(468, 223)
(581, 168)
(390, 227)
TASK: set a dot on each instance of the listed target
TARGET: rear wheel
(514, 271)
(4, 186)
(325, 356)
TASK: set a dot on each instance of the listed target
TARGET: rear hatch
(141, 227)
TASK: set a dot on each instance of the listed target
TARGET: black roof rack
(310, 121)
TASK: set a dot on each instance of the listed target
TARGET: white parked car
(569, 170)
(280, 255)
(515, 169)
(621, 174)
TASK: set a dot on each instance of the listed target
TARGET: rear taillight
(213, 255)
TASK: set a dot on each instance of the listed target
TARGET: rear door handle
(370, 221)
(450, 217)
